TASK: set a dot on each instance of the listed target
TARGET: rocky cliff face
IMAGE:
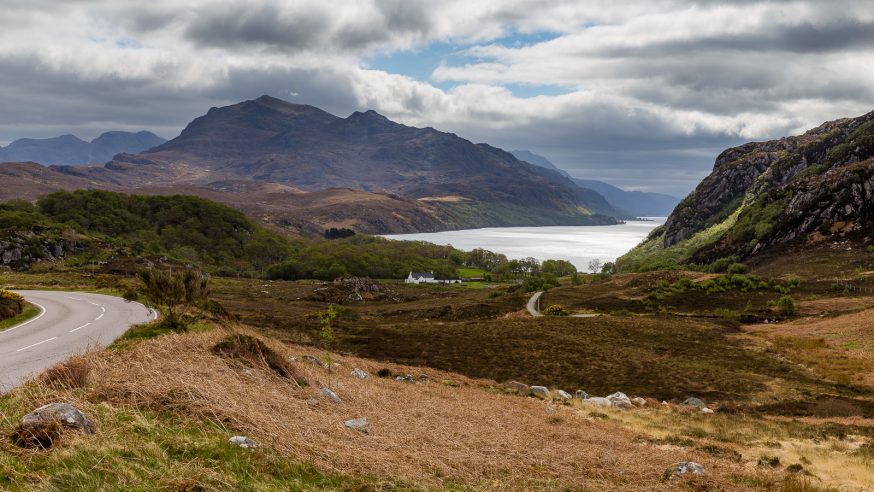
(764, 195)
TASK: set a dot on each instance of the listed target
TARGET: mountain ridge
(69, 149)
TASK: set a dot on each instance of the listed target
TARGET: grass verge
(30, 311)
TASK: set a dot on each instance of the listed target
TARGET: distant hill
(762, 198)
(268, 140)
(71, 150)
(638, 203)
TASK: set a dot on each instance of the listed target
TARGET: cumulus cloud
(641, 93)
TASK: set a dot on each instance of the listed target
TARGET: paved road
(532, 304)
(70, 322)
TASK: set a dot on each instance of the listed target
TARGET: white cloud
(649, 87)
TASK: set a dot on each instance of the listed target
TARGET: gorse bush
(786, 305)
(555, 310)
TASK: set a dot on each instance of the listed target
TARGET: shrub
(768, 460)
(556, 310)
(737, 268)
(786, 305)
(726, 314)
(384, 373)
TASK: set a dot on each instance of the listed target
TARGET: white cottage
(421, 278)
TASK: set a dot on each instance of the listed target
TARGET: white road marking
(77, 329)
(73, 298)
(37, 343)
(26, 322)
(102, 309)
(98, 318)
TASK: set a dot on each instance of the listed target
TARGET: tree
(559, 268)
(595, 265)
(174, 293)
(326, 319)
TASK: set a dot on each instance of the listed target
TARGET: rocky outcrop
(766, 195)
(19, 250)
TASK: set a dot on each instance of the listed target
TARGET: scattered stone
(582, 395)
(360, 373)
(706, 410)
(687, 467)
(598, 401)
(315, 361)
(243, 442)
(423, 377)
(665, 404)
(360, 425)
(42, 427)
(540, 392)
(312, 402)
(327, 393)
(407, 379)
(694, 402)
(517, 387)
(639, 401)
(564, 395)
(620, 400)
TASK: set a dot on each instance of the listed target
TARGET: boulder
(407, 378)
(360, 425)
(43, 427)
(598, 401)
(564, 395)
(517, 387)
(541, 392)
(360, 373)
(687, 467)
(327, 393)
(694, 402)
(620, 400)
(314, 361)
(706, 410)
(243, 442)
(640, 402)
(582, 395)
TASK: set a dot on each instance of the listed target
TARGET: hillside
(636, 203)
(273, 141)
(814, 190)
(71, 150)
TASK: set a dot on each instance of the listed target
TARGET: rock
(598, 401)
(360, 425)
(327, 393)
(640, 402)
(582, 395)
(517, 387)
(360, 374)
(620, 400)
(407, 379)
(43, 427)
(243, 442)
(687, 467)
(694, 402)
(314, 361)
(564, 395)
(706, 410)
(312, 402)
(423, 377)
(63, 413)
(540, 392)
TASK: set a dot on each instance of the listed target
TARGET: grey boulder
(63, 413)
(620, 400)
(694, 402)
(564, 395)
(598, 401)
(687, 467)
(243, 442)
(540, 392)
(360, 373)
(582, 395)
(360, 425)
(517, 387)
(327, 393)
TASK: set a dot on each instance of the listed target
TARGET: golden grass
(446, 430)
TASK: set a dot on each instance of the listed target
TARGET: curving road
(69, 323)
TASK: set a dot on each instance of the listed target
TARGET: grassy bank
(29, 312)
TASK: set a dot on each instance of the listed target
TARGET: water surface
(577, 244)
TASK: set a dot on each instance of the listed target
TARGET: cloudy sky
(640, 94)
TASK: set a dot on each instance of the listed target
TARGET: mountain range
(808, 191)
(637, 203)
(301, 168)
(71, 150)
